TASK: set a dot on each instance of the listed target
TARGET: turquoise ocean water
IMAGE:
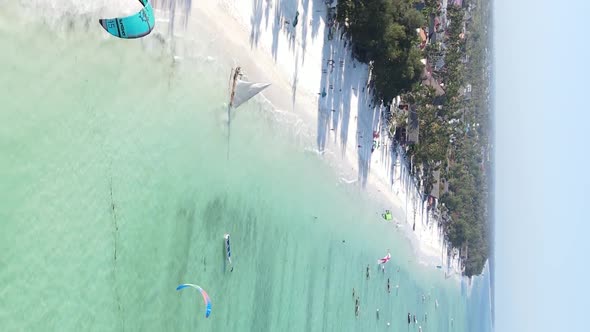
(116, 188)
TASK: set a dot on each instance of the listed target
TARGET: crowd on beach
(412, 318)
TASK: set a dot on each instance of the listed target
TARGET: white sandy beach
(295, 61)
(301, 62)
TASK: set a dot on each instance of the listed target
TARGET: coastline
(269, 53)
(305, 223)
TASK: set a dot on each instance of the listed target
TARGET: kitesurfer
(296, 19)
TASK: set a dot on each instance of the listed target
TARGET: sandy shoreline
(294, 60)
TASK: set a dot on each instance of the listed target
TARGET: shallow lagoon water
(118, 189)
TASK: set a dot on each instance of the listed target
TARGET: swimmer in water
(368, 274)
(409, 318)
(388, 286)
(377, 313)
(415, 320)
(352, 291)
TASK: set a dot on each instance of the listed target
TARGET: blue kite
(134, 26)
(206, 298)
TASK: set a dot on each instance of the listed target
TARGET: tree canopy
(453, 135)
(384, 32)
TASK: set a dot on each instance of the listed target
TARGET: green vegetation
(453, 134)
(384, 33)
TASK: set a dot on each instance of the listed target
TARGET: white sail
(245, 90)
(240, 92)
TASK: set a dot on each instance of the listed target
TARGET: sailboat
(240, 92)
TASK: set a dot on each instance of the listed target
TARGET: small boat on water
(240, 91)
(227, 249)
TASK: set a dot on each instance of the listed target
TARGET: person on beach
(296, 19)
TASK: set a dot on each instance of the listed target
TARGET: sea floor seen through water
(117, 188)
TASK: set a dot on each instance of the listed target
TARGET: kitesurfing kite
(205, 296)
(134, 26)
(387, 215)
(385, 259)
